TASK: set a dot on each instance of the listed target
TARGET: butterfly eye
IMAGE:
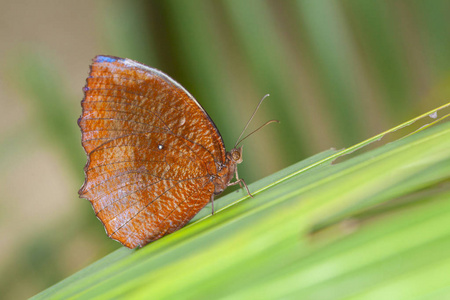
(236, 155)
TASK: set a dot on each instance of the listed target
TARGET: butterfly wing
(151, 151)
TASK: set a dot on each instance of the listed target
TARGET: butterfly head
(236, 155)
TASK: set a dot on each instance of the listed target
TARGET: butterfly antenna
(239, 140)
(260, 127)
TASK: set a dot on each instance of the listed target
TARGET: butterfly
(155, 157)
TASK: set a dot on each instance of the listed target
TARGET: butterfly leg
(241, 182)
(212, 204)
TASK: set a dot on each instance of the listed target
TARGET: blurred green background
(338, 72)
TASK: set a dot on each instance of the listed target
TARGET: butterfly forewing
(151, 151)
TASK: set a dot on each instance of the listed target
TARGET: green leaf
(374, 226)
